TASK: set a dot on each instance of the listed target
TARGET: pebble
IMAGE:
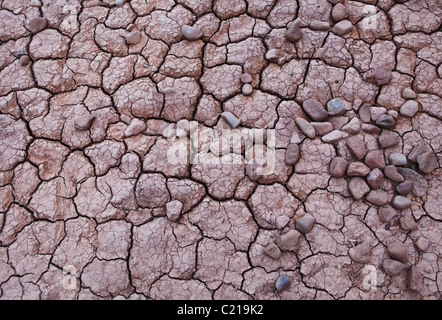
(183, 128)
(336, 107)
(357, 147)
(84, 123)
(407, 224)
(293, 33)
(272, 55)
(322, 128)
(417, 150)
(245, 78)
(119, 2)
(421, 244)
(339, 121)
(364, 113)
(21, 52)
(288, 241)
(136, 126)
(404, 188)
(358, 187)
(319, 25)
(392, 173)
(133, 38)
(386, 121)
(409, 109)
(336, 1)
(376, 112)
(191, 33)
(393, 113)
(357, 169)
(305, 127)
(420, 184)
(361, 253)
(295, 138)
(339, 12)
(174, 209)
(281, 222)
(415, 280)
(369, 128)
(375, 178)
(392, 267)
(397, 159)
(282, 283)
(338, 166)
(377, 197)
(398, 251)
(342, 27)
(315, 110)
(353, 127)
(247, 89)
(401, 202)
(305, 223)
(387, 140)
(169, 131)
(231, 119)
(427, 162)
(24, 60)
(387, 213)
(408, 93)
(379, 75)
(37, 24)
(375, 159)
(335, 135)
(272, 251)
(292, 154)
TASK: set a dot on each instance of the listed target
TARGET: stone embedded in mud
(305, 223)
(246, 78)
(392, 267)
(386, 121)
(416, 151)
(272, 251)
(231, 119)
(133, 38)
(427, 162)
(339, 12)
(409, 109)
(415, 280)
(191, 33)
(408, 224)
(336, 107)
(293, 33)
(247, 89)
(392, 173)
(387, 213)
(84, 123)
(379, 76)
(24, 60)
(281, 222)
(136, 126)
(338, 166)
(288, 241)
(408, 93)
(252, 169)
(319, 25)
(377, 197)
(358, 187)
(292, 154)
(282, 283)
(401, 202)
(398, 251)
(305, 127)
(342, 27)
(37, 24)
(405, 187)
(420, 184)
(174, 209)
(361, 253)
(421, 244)
(375, 178)
(315, 110)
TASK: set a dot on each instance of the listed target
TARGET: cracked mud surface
(91, 208)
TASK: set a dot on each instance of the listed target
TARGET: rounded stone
(339, 12)
(315, 110)
(281, 222)
(358, 187)
(282, 283)
(408, 93)
(24, 60)
(401, 202)
(272, 251)
(336, 107)
(387, 140)
(84, 123)
(133, 38)
(338, 166)
(305, 127)
(375, 159)
(427, 162)
(391, 172)
(397, 159)
(119, 2)
(364, 113)
(386, 121)
(174, 209)
(416, 151)
(420, 184)
(387, 213)
(379, 75)
(409, 108)
(246, 78)
(292, 154)
(191, 33)
(293, 33)
(404, 188)
(37, 24)
(415, 279)
(392, 267)
(21, 52)
(288, 241)
(305, 223)
(407, 224)
(421, 244)
(247, 89)
(361, 253)
(357, 169)
(342, 27)
(319, 25)
(398, 251)
(377, 197)
(375, 178)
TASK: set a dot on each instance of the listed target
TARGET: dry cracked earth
(96, 94)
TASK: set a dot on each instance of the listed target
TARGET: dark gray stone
(405, 187)
(282, 283)
(315, 110)
(386, 121)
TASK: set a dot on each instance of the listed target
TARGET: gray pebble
(377, 197)
(409, 108)
(378, 75)
(398, 251)
(401, 202)
(376, 112)
(339, 12)
(292, 154)
(246, 78)
(342, 27)
(247, 89)
(293, 33)
(421, 244)
(305, 223)
(305, 127)
(353, 127)
(404, 188)
(408, 224)
(387, 213)
(392, 267)
(315, 110)
(319, 25)
(408, 93)
(24, 60)
(174, 209)
(397, 159)
(282, 283)
(386, 121)
(336, 107)
(231, 119)
(191, 33)
(37, 24)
